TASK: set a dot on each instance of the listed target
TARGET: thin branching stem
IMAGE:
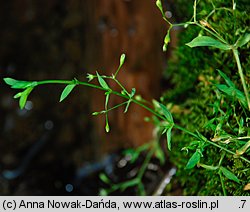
(222, 184)
(195, 5)
(152, 111)
(145, 164)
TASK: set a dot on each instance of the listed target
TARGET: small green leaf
(166, 113)
(229, 175)
(122, 60)
(227, 90)
(207, 41)
(104, 178)
(243, 40)
(243, 149)
(18, 84)
(66, 91)
(233, 93)
(226, 78)
(10, 81)
(24, 84)
(241, 97)
(193, 160)
(169, 137)
(24, 96)
(102, 82)
(209, 124)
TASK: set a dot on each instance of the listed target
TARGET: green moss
(192, 75)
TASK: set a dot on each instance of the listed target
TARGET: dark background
(43, 147)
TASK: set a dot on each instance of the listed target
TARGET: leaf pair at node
(168, 128)
(28, 86)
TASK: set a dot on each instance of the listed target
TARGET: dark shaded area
(50, 148)
(46, 142)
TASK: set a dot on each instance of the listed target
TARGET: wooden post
(134, 27)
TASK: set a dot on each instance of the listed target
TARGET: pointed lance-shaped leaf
(243, 40)
(102, 82)
(243, 149)
(233, 93)
(24, 97)
(19, 84)
(166, 113)
(228, 174)
(226, 78)
(10, 81)
(207, 41)
(169, 137)
(193, 160)
(66, 91)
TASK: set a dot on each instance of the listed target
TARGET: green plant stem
(222, 184)
(221, 159)
(148, 108)
(116, 106)
(117, 71)
(145, 164)
(165, 19)
(185, 130)
(138, 103)
(210, 142)
(69, 82)
(195, 4)
(215, 34)
(236, 56)
(121, 86)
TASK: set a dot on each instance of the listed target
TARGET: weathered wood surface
(134, 27)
